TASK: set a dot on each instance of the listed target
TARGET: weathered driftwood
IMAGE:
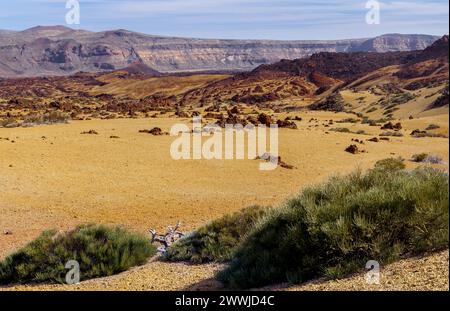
(166, 240)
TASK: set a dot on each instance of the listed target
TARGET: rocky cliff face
(60, 50)
(395, 43)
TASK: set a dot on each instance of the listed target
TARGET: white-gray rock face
(59, 50)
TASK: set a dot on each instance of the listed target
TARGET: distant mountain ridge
(59, 50)
(377, 85)
(327, 71)
(394, 43)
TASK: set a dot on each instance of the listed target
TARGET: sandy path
(420, 273)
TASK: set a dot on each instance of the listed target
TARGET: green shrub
(33, 118)
(390, 164)
(55, 117)
(390, 111)
(100, 251)
(334, 102)
(370, 122)
(333, 229)
(426, 158)
(421, 134)
(46, 118)
(341, 130)
(217, 240)
(347, 130)
(391, 134)
(348, 120)
(399, 99)
(432, 127)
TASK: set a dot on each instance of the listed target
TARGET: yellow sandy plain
(54, 177)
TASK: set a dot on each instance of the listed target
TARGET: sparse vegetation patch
(217, 240)
(333, 229)
(100, 251)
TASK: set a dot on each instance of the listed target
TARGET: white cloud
(289, 19)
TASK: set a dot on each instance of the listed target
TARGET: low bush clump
(217, 240)
(334, 102)
(390, 165)
(433, 159)
(348, 120)
(9, 122)
(333, 229)
(426, 158)
(100, 251)
(391, 134)
(420, 157)
(420, 134)
(390, 111)
(432, 127)
(46, 118)
(341, 130)
(370, 122)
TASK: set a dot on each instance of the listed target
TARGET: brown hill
(298, 78)
(417, 87)
(342, 66)
(139, 68)
(439, 49)
(428, 67)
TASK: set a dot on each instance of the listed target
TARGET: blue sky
(240, 19)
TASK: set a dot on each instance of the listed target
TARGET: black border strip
(167, 300)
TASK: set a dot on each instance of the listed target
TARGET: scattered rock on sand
(285, 165)
(353, 149)
(264, 119)
(156, 131)
(212, 115)
(213, 108)
(356, 140)
(287, 124)
(267, 157)
(90, 132)
(418, 132)
(391, 126)
(182, 114)
(231, 119)
(253, 120)
(235, 109)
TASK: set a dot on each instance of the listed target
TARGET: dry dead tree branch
(172, 235)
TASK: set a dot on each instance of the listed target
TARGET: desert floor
(55, 177)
